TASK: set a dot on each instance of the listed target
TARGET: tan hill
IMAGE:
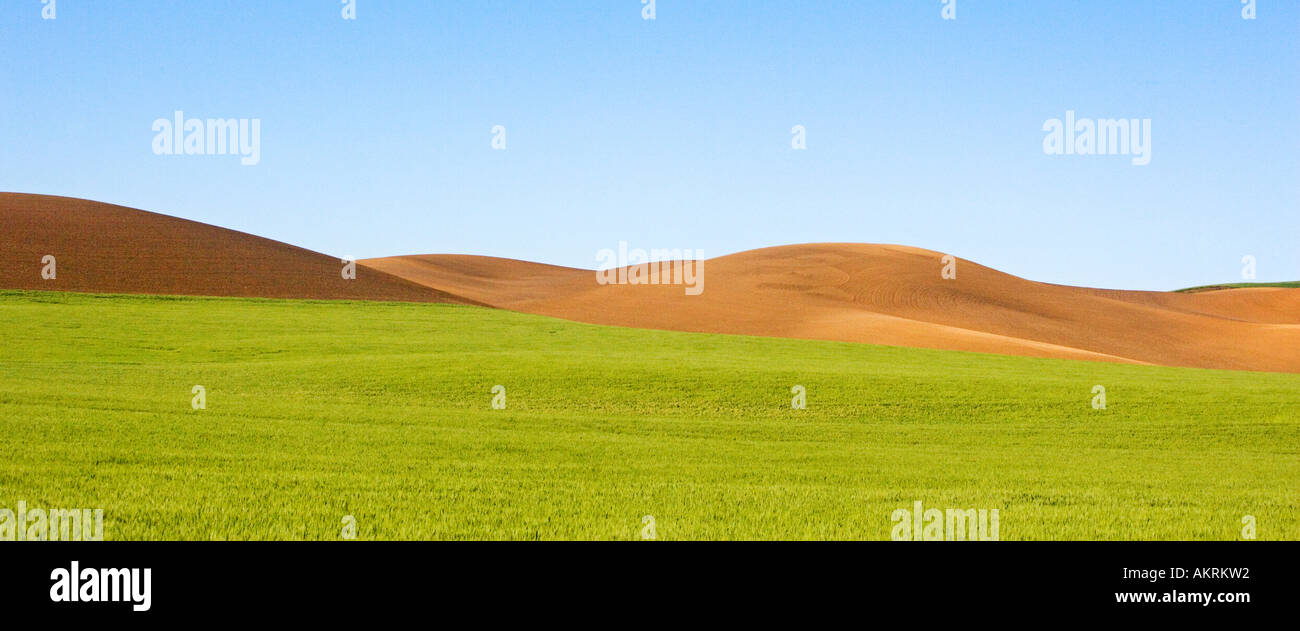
(885, 294)
(880, 294)
(112, 249)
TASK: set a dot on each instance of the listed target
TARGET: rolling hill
(100, 247)
(895, 295)
(878, 294)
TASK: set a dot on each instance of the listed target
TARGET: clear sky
(676, 133)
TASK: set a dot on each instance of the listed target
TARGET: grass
(1291, 284)
(316, 410)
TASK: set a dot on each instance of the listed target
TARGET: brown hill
(885, 294)
(880, 294)
(112, 249)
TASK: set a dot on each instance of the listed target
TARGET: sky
(376, 133)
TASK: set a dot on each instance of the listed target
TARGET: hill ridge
(895, 295)
(100, 247)
(872, 293)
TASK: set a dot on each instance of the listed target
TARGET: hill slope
(104, 248)
(1293, 284)
(879, 294)
(895, 295)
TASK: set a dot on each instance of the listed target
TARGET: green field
(316, 410)
(1289, 284)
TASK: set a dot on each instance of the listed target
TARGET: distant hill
(1291, 284)
(880, 294)
(895, 295)
(104, 248)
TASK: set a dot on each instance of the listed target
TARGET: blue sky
(675, 133)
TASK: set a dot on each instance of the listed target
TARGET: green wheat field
(383, 411)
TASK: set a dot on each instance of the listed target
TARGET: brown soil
(112, 249)
(886, 294)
